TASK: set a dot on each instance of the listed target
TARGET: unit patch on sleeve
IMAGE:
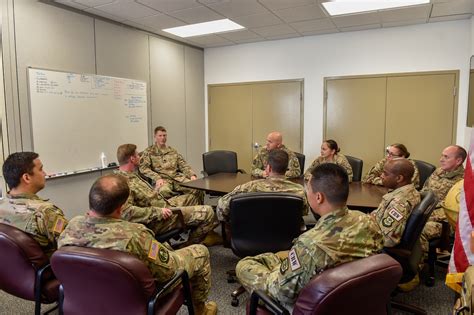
(395, 214)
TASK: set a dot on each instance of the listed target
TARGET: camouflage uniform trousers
(252, 272)
(195, 261)
(431, 230)
(180, 195)
(201, 220)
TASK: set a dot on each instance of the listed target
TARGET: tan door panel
(420, 113)
(230, 121)
(355, 117)
(277, 106)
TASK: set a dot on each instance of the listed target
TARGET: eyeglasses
(388, 153)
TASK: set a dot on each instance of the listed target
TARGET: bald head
(274, 140)
(397, 173)
(108, 193)
(452, 157)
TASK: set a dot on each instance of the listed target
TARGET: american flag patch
(154, 248)
(58, 225)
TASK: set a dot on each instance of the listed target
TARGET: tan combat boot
(208, 308)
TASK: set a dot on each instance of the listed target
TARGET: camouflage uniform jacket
(35, 216)
(373, 176)
(124, 236)
(167, 163)
(393, 212)
(339, 159)
(143, 205)
(338, 237)
(440, 182)
(260, 161)
(269, 184)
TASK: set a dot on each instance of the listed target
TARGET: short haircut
(461, 153)
(16, 165)
(124, 152)
(331, 180)
(278, 160)
(108, 193)
(159, 128)
(403, 149)
(402, 167)
(333, 145)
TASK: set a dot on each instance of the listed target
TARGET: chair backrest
(362, 286)
(22, 257)
(264, 222)
(102, 281)
(219, 161)
(301, 159)
(356, 165)
(425, 169)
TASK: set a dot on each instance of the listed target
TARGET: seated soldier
(341, 235)
(23, 209)
(260, 161)
(452, 203)
(396, 206)
(146, 206)
(167, 168)
(102, 227)
(275, 182)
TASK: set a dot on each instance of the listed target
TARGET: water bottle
(103, 160)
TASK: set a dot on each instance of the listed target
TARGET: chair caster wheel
(234, 302)
(230, 279)
(430, 281)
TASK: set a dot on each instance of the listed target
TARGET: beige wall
(44, 36)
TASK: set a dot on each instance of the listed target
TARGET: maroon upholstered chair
(104, 281)
(362, 286)
(25, 270)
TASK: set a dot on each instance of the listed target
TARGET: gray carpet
(435, 300)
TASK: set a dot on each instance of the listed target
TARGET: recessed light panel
(205, 28)
(340, 7)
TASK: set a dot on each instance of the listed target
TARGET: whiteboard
(75, 117)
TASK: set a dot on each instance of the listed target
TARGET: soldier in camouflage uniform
(260, 161)
(396, 206)
(440, 182)
(341, 235)
(146, 206)
(330, 154)
(23, 209)
(102, 227)
(275, 182)
(167, 168)
(395, 151)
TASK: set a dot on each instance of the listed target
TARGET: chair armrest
(204, 173)
(270, 303)
(241, 171)
(397, 252)
(180, 275)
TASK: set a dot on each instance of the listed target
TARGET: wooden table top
(361, 196)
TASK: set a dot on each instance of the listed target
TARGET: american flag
(462, 256)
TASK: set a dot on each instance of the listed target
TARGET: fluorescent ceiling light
(339, 7)
(211, 27)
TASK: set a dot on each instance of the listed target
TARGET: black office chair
(301, 159)
(220, 161)
(408, 253)
(356, 165)
(261, 223)
(425, 169)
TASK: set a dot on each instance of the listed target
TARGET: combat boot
(208, 308)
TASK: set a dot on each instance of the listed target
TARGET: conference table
(364, 197)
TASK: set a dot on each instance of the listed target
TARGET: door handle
(256, 145)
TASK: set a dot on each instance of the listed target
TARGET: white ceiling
(262, 19)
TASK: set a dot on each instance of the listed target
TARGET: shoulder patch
(388, 221)
(284, 266)
(395, 214)
(153, 251)
(59, 225)
(294, 261)
(163, 254)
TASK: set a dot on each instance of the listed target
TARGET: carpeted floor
(435, 300)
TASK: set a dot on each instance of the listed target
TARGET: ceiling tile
(356, 19)
(412, 13)
(274, 30)
(320, 32)
(127, 10)
(450, 17)
(285, 36)
(166, 6)
(104, 14)
(283, 4)
(196, 15)
(235, 8)
(93, 3)
(239, 35)
(160, 21)
(210, 40)
(258, 20)
(72, 4)
(246, 41)
(359, 27)
(451, 8)
(403, 23)
(313, 25)
(307, 12)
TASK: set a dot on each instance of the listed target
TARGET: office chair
(175, 232)
(425, 169)
(301, 159)
(263, 222)
(408, 252)
(220, 161)
(105, 281)
(344, 289)
(25, 271)
(356, 165)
